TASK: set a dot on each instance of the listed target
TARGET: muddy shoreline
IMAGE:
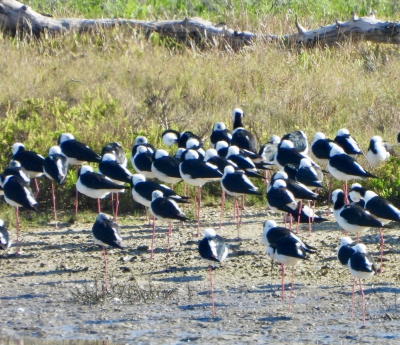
(37, 289)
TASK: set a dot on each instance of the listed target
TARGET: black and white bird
(5, 241)
(105, 232)
(18, 194)
(288, 154)
(142, 160)
(95, 185)
(308, 175)
(15, 169)
(55, 168)
(30, 161)
(299, 140)
(171, 137)
(196, 145)
(362, 266)
(344, 168)
(117, 173)
(378, 206)
(377, 153)
(347, 143)
(352, 217)
(242, 162)
(220, 133)
(346, 249)
(117, 150)
(241, 137)
(321, 148)
(142, 141)
(212, 249)
(222, 148)
(269, 150)
(196, 173)
(166, 168)
(77, 154)
(236, 183)
(165, 209)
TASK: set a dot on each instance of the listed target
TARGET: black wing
(115, 171)
(30, 160)
(81, 152)
(96, 181)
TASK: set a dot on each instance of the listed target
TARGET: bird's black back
(75, 149)
(51, 168)
(29, 160)
(104, 230)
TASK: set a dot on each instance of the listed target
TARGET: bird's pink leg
(212, 292)
(37, 188)
(105, 269)
(98, 206)
(329, 195)
(76, 194)
(283, 281)
(346, 196)
(172, 186)
(309, 220)
(243, 196)
(291, 291)
(168, 241)
(234, 208)
(116, 207)
(222, 208)
(362, 301)
(382, 245)
(352, 298)
(54, 204)
(17, 228)
(198, 212)
(152, 238)
(298, 216)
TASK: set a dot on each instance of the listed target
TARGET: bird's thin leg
(116, 206)
(198, 211)
(17, 228)
(362, 301)
(168, 239)
(222, 208)
(105, 269)
(152, 238)
(285, 219)
(266, 175)
(240, 214)
(54, 204)
(36, 187)
(328, 212)
(382, 245)
(243, 196)
(172, 186)
(298, 216)
(352, 298)
(346, 196)
(112, 205)
(76, 193)
(358, 237)
(147, 211)
(291, 291)
(290, 221)
(98, 206)
(283, 281)
(310, 219)
(212, 292)
(234, 208)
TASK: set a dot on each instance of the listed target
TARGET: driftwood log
(17, 18)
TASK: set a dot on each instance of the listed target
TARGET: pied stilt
(376, 153)
(117, 150)
(15, 169)
(381, 208)
(287, 154)
(344, 168)
(347, 143)
(236, 183)
(5, 241)
(361, 266)
(55, 168)
(166, 168)
(117, 173)
(105, 232)
(165, 209)
(30, 161)
(212, 249)
(77, 154)
(171, 137)
(220, 133)
(196, 173)
(352, 218)
(299, 140)
(95, 185)
(18, 194)
(142, 160)
(241, 137)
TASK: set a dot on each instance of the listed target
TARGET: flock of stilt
(233, 159)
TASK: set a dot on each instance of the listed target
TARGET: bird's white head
(109, 157)
(279, 184)
(14, 164)
(85, 168)
(17, 147)
(361, 248)
(319, 136)
(191, 154)
(136, 178)
(343, 131)
(156, 194)
(141, 149)
(65, 137)
(305, 163)
(55, 150)
(102, 216)
(275, 139)
(170, 138)
(336, 194)
(233, 150)
(377, 139)
(140, 140)
(229, 169)
(237, 112)
(336, 150)
(344, 241)
(280, 175)
(192, 142)
(221, 144)
(287, 144)
(269, 224)
(209, 232)
(210, 153)
(160, 153)
(219, 126)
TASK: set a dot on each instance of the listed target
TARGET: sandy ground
(150, 306)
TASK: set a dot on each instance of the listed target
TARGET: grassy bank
(116, 85)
